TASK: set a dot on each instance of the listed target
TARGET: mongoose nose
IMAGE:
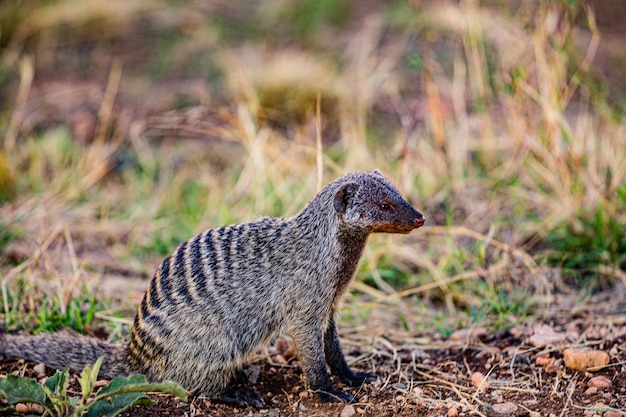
(418, 222)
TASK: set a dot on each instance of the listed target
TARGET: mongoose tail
(66, 349)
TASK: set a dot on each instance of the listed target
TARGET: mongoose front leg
(337, 362)
(311, 353)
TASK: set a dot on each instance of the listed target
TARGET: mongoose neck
(338, 245)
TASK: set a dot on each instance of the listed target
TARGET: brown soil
(422, 376)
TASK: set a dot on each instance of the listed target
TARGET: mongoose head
(369, 202)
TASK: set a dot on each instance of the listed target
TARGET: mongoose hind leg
(337, 362)
(240, 396)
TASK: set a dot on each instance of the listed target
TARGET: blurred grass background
(129, 126)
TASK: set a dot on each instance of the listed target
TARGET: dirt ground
(429, 376)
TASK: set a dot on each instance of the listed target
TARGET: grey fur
(226, 292)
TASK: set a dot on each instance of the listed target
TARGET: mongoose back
(223, 294)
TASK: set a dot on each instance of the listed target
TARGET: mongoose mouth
(402, 228)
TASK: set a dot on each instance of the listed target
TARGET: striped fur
(226, 292)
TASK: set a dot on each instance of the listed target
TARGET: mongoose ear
(343, 196)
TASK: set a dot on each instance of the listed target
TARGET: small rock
(544, 335)
(505, 408)
(544, 360)
(35, 409)
(279, 360)
(21, 408)
(591, 391)
(453, 412)
(468, 335)
(597, 408)
(585, 360)
(517, 332)
(600, 382)
(348, 411)
(480, 381)
(302, 408)
(40, 368)
(534, 414)
(612, 414)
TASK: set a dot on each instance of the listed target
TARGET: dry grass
(487, 120)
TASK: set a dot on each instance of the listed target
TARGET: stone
(468, 335)
(505, 408)
(348, 411)
(480, 381)
(585, 360)
(544, 336)
(600, 382)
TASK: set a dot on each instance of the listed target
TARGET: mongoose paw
(356, 379)
(335, 396)
(243, 397)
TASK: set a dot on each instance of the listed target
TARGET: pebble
(279, 360)
(21, 408)
(453, 412)
(348, 411)
(544, 360)
(544, 335)
(591, 391)
(468, 335)
(534, 414)
(40, 368)
(597, 408)
(505, 408)
(480, 381)
(585, 360)
(600, 382)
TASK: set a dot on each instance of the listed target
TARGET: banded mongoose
(223, 294)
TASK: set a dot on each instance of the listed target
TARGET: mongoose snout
(419, 222)
(228, 291)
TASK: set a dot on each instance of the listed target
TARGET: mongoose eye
(385, 207)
